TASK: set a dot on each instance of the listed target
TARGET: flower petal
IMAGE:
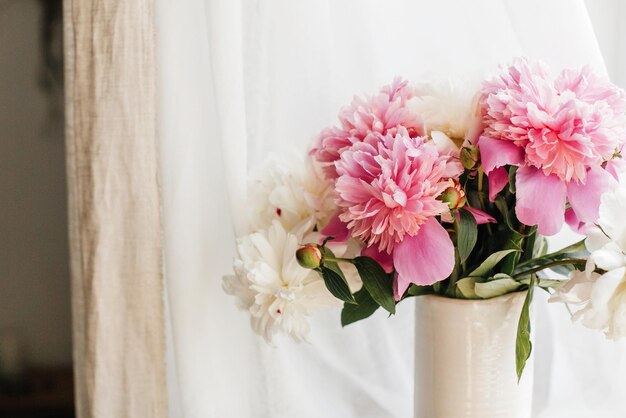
(540, 200)
(612, 216)
(574, 223)
(423, 259)
(608, 257)
(498, 179)
(497, 153)
(585, 198)
(480, 216)
(443, 143)
(596, 239)
(602, 292)
(383, 258)
(336, 229)
(617, 168)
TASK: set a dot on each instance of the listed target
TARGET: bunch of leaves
(377, 290)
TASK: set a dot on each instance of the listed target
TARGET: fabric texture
(114, 209)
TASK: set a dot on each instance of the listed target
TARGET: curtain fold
(114, 209)
(293, 64)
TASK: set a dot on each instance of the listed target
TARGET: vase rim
(494, 300)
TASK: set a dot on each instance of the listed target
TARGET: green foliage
(467, 234)
(365, 307)
(337, 285)
(512, 172)
(576, 250)
(378, 283)
(561, 262)
(499, 287)
(416, 290)
(465, 288)
(487, 266)
(544, 283)
(486, 288)
(503, 208)
(523, 345)
(328, 254)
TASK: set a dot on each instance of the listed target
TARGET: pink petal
(498, 179)
(383, 258)
(574, 223)
(498, 153)
(585, 198)
(480, 216)
(617, 167)
(540, 200)
(423, 259)
(337, 229)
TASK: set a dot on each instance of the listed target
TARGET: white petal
(603, 290)
(612, 208)
(608, 257)
(596, 239)
(443, 143)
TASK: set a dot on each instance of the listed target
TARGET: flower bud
(309, 256)
(470, 156)
(454, 195)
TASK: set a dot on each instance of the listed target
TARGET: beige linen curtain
(114, 214)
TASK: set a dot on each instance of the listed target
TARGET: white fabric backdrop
(241, 78)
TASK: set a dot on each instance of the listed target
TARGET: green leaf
(514, 242)
(529, 244)
(493, 288)
(523, 345)
(499, 276)
(416, 290)
(545, 283)
(327, 253)
(488, 265)
(541, 247)
(337, 285)
(502, 207)
(566, 269)
(376, 282)
(364, 308)
(465, 288)
(467, 234)
(512, 172)
(576, 250)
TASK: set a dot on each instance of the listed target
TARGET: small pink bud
(454, 195)
(309, 256)
(470, 156)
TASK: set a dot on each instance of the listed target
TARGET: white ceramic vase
(465, 359)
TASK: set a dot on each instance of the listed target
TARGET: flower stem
(481, 197)
(549, 265)
(338, 260)
(457, 231)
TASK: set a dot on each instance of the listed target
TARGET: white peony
(601, 296)
(288, 190)
(448, 105)
(271, 285)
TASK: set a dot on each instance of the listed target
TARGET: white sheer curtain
(239, 79)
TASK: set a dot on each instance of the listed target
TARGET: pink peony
(559, 132)
(388, 193)
(380, 114)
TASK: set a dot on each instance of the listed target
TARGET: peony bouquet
(445, 187)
